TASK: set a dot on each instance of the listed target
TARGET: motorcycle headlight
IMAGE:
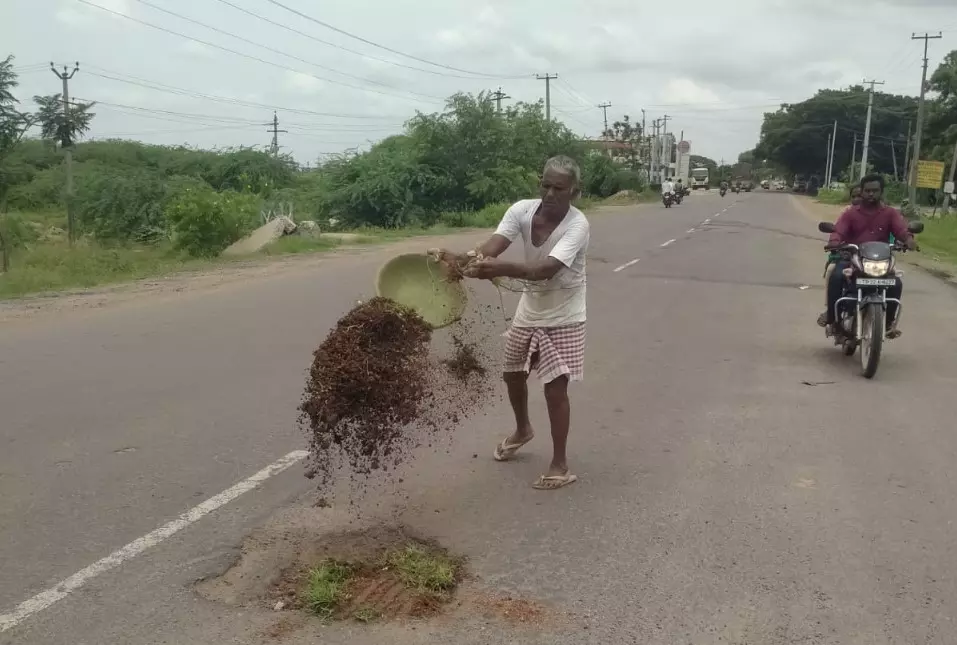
(876, 268)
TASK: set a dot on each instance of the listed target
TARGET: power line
(282, 53)
(235, 52)
(171, 89)
(383, 47)
(345, 49)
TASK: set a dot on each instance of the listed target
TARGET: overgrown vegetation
(147, 207)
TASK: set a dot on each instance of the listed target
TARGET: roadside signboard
(930, 174)
(684, 147)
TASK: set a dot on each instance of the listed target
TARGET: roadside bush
(488, 217)
(836, 197)
(205, 222)
(603, 177)
(15, 231)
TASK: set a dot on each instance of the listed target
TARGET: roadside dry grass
(51, 266)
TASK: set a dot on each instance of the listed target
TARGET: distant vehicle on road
(700, 179)
(800, 184)
(765, 184)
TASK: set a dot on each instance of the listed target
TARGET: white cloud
(300, 83)
(684, 90)
(79, 15)
(199, 50)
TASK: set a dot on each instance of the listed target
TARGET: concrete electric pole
(867, 125)
(67, 144)
(915, 158)
(497, 96)
(274, 148)
(548, 78)
(604, 108)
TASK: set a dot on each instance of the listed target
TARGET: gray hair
(565, 165)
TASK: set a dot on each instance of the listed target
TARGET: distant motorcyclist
(868, 221)
(667, 187)
(679, 187)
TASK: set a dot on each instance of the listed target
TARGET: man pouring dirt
(548, 330)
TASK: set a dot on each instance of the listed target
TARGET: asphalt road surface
(739, 482)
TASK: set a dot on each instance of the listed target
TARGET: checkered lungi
(551, 351)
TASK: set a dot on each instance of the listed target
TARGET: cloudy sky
(215, 81)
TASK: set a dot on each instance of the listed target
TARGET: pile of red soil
(373, 384)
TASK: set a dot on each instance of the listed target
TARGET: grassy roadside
(43, 266)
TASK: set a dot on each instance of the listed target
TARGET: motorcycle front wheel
(872, 339)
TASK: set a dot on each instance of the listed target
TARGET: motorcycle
(723, 191)
(861, 311)
(679, 195)
(667, 199)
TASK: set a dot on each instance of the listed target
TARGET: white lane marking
(690, 230)
(668, 243)
(708, 221)
(627, 264)
(64, 588)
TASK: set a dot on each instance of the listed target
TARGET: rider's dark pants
(836, 285)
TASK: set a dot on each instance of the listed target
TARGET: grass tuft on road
(326, 587)
(424, 569)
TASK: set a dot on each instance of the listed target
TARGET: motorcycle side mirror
(826, 227)
(915, 227)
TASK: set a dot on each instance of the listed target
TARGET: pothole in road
(371, 576)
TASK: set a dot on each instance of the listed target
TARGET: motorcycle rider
(869, 221)
(679, 187)
(833, 258)
(667, 187)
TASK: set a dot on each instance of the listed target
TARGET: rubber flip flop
(505, 451)
(554, 482)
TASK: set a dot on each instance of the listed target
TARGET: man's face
(856, 195)
(557, 189)
(871, 193)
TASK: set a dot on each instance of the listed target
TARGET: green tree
(65, 130)
(795, 136)
(941, 131)
(628, 133)
(13, 126)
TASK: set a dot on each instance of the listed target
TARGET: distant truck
(700, 178)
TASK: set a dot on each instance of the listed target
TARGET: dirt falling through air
(375, 390)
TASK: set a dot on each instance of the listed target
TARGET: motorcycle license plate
(876, 282)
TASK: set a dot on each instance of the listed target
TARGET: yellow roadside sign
(930, 174)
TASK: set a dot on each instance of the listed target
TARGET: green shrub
(205, 222)
(602, 176)
(837, 197)
(15, 231)
(488, 217)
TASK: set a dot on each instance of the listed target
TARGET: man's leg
(892, 309)
(835, 285)
(822, 319)
(517, 385)
(559, 415)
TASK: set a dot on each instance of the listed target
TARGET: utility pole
(853, 159)
(655, 125)
(827, 162)
(65, 76)
(953, 177)
(907, 153)
(274, 148)
(604, 108)
(915, 158)
(867, 125)
(497, 96)
(894, 159)
(830, 156)
(548, 78)
(644, 135)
